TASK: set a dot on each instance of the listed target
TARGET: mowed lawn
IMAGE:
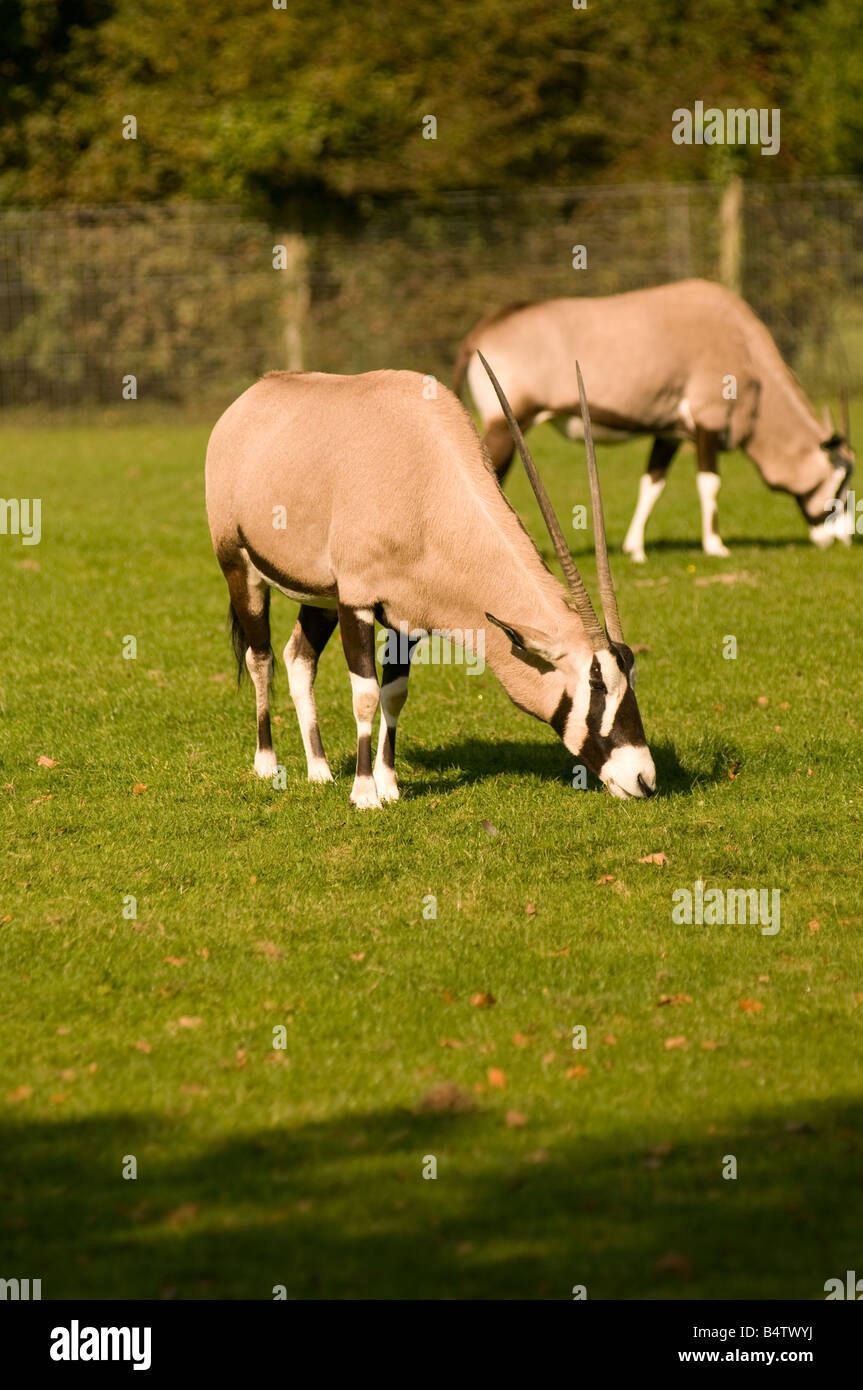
(153, 1038)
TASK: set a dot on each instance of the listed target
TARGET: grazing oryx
(393, 512)
(682, 361)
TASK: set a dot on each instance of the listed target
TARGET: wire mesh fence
(189, 303)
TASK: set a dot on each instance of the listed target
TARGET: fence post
(295, 298)
(731, 234)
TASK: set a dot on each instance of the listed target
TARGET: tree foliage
(316, 107)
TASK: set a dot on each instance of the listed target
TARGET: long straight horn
(581, 598)
(606, 585)
(846, 418)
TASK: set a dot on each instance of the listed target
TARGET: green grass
(290, 908)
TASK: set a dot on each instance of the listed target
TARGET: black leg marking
(661, 455)
(358, 640)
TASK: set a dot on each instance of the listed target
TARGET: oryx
(683, 361)
(362, 499)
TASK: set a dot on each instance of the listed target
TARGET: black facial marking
(627, 727)
(561, 714)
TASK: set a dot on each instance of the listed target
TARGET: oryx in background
(394, 513)
(682, 361)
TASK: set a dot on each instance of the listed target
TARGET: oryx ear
(529, 644)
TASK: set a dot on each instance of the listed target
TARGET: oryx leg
(499, 443)
(394, 692)
(649, 491)
(708, 480)
(358, 641)
(250, 604)
(313, 630)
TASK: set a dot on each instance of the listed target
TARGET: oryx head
(597, 716)
(824, 506)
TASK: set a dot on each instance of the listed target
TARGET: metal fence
(193, 301)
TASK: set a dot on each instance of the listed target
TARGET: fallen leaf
(68, 1074)
(785, 705)
(46, 762)
(181, 1215)
(94, 1066)
(515, 1119)
(175, 960)
(450, 998)
(676, 1042)
(489, 828)
(751, 1006)
(358, 955)
(764, 979)
(205, 953)
(763, 701)
(138, 788)
(58, 1097)
(674, 1263)
(520, 1040)
(674, 999)
(187, 1022)
(496, 1078)
(576, 1073)
(268, 949)
(606, 878)
(21, 1093)
(548, 1058)
(451, 1042)
(444, 1097)
(482, 1001)
(530, 910)
(814, 925)
(143, 1046)
(657, 858)
(709, 1046)
(610, 1039)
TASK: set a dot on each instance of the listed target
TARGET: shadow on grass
(468, 761)
(734, 543)
(339, 1209)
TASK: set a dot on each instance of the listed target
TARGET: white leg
(366, 693)
(393, 695)
(708, 488)
(260, 668)
(649, 492)
(301, 668)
